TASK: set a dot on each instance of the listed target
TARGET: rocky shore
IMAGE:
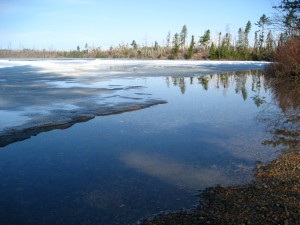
(273, 197)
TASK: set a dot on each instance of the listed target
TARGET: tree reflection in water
(273, 197)
(224, 81)
(285, 125)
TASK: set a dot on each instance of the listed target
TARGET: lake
(115, 141)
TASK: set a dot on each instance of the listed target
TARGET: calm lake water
(120, 168)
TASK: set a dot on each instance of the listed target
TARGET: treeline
(225, 46)
(176, 47)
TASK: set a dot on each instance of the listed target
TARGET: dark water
(118, 169)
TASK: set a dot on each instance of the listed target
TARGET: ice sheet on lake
(11, 118)
(50, 92)
(124, 67)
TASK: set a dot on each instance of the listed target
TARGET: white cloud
(179, 174)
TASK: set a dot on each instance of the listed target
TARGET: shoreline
(273, 197)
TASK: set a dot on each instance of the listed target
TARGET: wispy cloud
(179, 174)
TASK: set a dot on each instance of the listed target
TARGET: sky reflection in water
(117, 169)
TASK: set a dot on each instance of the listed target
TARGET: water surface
(120, 168)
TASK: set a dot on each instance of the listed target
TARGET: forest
(272, 34)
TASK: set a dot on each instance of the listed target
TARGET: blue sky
(64, 24)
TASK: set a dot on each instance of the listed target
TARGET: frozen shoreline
(36, 95)
(81, 67)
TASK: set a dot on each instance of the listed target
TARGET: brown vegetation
(287, 60)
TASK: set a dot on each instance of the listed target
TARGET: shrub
(287, 59)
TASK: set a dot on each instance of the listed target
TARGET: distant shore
(125, 52)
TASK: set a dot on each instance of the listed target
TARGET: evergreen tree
(212, 51)
(218, 50)
(183, 36)
(191, 48)
(241, 40)
(262, 23)
(168, 39)
(134, 45)
(225, 46)
(281, 39)
(270, 42)
(204, 40)
(247, 31)
(256, 41)
(289, 18)
(220, 40)
(176, 45)
(292, 23)
(156, 46)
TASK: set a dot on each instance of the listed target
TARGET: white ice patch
(12, 118)
(16, 118)
(46, 109)
(65, 84)
(74, 68)
(70, 84)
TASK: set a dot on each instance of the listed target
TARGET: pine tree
(204, 40)
(220, 40)
(288, 20)
(225, 46)
(270, 42)
(134, 45)
(247, 31)
(281, 40)
(191, 48)
(241, 40)
(256, 41)
(183, 36)
(156, 46)
(262, 23)
(168, 39)
(176, 45)
(212, 51)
